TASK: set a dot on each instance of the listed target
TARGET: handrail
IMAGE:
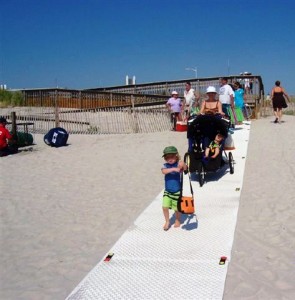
(123, 95)
(183, 81)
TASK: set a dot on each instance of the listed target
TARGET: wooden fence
(139, 94)
(65, 98)
(119, 120)
(199, 84)
(123, 109)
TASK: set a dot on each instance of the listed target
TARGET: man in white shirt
(190, 99)
(226, 95)
(247, 85)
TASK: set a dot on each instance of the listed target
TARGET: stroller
(201, 130)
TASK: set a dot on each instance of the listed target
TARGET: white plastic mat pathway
(181, 263)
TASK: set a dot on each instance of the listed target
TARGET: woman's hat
(170, 150)
(211, 89)
(174, 93)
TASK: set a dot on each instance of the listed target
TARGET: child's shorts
(170, 200)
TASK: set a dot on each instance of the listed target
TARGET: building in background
(130, 81)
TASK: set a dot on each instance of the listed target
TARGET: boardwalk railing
(123, 109)
(256, 90)
(146, 93)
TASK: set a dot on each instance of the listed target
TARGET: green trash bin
(24, 139)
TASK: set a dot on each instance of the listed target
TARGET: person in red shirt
(5, 136)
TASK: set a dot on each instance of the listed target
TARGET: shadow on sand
(189, 222)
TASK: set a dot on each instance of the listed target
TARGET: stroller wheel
(231, 163)
(201, 172)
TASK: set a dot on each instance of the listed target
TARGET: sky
(79, 44)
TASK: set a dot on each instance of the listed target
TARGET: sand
(64, 208)
(263, 253)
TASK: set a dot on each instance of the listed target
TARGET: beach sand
(263, 254)
(64, 208)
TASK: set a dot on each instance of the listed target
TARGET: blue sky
(94, 43)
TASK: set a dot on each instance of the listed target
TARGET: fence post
(135, 123)
(80, 100)
(13, 124)
(56, 109)
(14, 129)
(40, 97)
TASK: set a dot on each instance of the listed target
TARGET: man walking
(226, 96)
(190, 99)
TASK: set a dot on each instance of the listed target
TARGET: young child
(172, 168)
(174, 105)
(213, 149)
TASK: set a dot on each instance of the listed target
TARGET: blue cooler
(56, 137)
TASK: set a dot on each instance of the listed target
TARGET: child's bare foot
(177, 224)
(166, 226)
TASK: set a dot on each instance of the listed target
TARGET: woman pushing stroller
(206, 121)
(211, 106)
(206, 136)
